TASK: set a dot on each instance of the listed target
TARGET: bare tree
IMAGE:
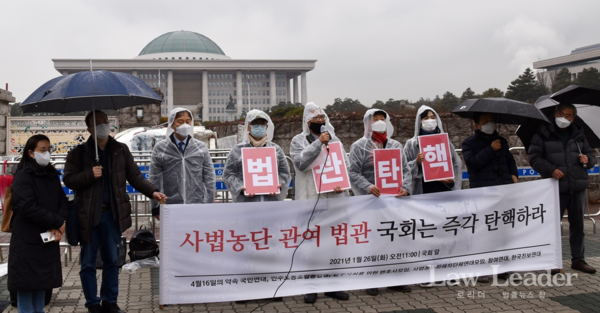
(543, 78)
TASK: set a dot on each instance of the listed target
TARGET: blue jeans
(105, 235)
(31, 301)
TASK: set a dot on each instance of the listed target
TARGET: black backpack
(143, 245)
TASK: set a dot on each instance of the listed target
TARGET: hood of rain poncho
(368, 120)
(310, 111)
(422, 109)
(251, 116)
(172, 119)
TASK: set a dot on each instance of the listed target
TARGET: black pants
(575, 204)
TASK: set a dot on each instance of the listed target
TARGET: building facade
(193, 72)
(580, 58)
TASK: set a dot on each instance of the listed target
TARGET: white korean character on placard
(258, 167)
(436, 153)
(332, 164)
(384, 170)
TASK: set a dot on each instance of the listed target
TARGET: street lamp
(139, 113)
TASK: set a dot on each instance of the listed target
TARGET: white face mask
(379, 126)
(184, 130)
(489, 128)
(562, 122)
(42, 159)
(429, 125)
(102, 131)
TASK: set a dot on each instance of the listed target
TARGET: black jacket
(39, 204)
(487, 167)
(89, 190)
(547, 153)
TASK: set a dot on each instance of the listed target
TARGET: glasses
(318, 118)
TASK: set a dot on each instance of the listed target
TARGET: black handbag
(72, 224)
(120, 257)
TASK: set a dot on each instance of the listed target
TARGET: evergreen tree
(449, 100)
(562, 80)
(589, 77)
(468, 94)
(346, 105)
(525, 88)
(492, 93)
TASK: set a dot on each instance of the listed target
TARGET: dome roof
(181, 41)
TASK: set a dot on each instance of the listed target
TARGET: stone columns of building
(240, 98)
(205, 116)
(273, 88)
(304, 98)
(65, 73)
(169, 92)
(296, 93)
(288, 94)
(135, 73)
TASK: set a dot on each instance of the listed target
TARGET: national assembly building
(193, 72)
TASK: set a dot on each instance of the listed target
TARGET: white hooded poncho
(233, 175)
(184, 178)
(304, 154)
(412, 149)
(361, 168)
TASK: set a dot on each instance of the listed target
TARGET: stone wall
(350, 128)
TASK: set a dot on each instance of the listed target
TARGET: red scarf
(379, 137)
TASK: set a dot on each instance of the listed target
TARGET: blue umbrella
(90, 91)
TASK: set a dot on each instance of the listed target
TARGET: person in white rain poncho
(428, 122)
(378, 130)
(181, 166)
(258, 132)
(305, 150)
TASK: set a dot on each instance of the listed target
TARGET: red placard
(333, 173)
(388, 170)
(437, 162)
(260, 170)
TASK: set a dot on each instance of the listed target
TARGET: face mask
(184, 130)
(102, 131)
(562, 122)
(379, 126)
(316, 127)
(42, 158)
(489, 128)
(258, 131)
(429, 125)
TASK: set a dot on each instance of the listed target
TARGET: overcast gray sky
(366, 50)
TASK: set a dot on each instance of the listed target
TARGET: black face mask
(316, 127)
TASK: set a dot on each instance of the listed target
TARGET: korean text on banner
(260, 170)
(437, 162)
(388, 170)
(333, 173)
(238, 251)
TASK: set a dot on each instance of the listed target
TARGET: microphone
(324, 130)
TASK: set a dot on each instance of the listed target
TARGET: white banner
(226, 252)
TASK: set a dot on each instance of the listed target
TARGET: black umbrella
(89, 91)
(505, 111)
(588, 116)
(577, 95)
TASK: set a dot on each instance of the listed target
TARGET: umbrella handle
(4, 167)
